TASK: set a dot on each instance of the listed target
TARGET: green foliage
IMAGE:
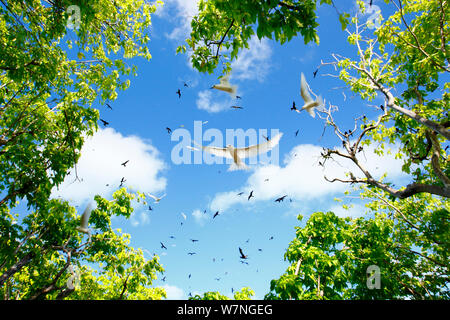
(244, 294)
(47, 242)
(50, 80)
(330, 256)
(223, 28)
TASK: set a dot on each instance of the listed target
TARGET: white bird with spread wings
(237, 154)
(84, 225)
(310, 104)
(225, 85)
(155, 197)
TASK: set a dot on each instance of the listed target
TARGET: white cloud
(355, 211)
(200, 217)
(100, 171)
(139, 218)
(204, 102)
(173, 292)
(182, 11)
(253, 63)
(301, 177)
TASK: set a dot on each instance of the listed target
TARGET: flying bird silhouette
(163, 246)
(225, 85)
(191, 253)
(243, 256)
(250, 195)
(169, 131)
(236, 107)
(125, 163)
(108, 106)
(293, 106)
(310, 104)
(315, 73)
(237, 154)
(216, 214)
(271, 238)
(105, 123)
(194, 240)
(179, 93)
(155, 197)
(296, 132)
(280, 198)
(83, 227)
(122, 181)
(240, 193)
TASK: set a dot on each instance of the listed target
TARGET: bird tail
(320, 101)
(233, 90)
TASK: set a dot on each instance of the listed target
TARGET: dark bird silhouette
(293, 106)
(122, 181)
(179, 93)
(271, 238)
(243, 256)
(296, 132)
(382, 107)
(191, 253)
(236, 107)
(163, 246)
(218, 279)
(243, 262)
(169, 131)
(315, 73)
(250, 195)
(185, 84)
(370, 3)
(194, 240)
(150, 208)
(240, 193)
(189, 276)
(216, 214)
(267, 138)
(259, 249)
(163, 279)
(108, 106)
(105, 123)
(238, 97)
(124, 163)
(280, 198)
(172, 237)
(265, 180)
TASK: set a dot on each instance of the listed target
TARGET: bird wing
(241, 252)
(86, 215)
(253, 151)
(152, 196)
(225, 80)
(304, 89)
(220, 152)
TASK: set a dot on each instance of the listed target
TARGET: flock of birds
(231, 152)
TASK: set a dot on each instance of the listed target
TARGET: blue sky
(268, 77)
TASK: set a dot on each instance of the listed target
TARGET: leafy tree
(244, 294)
(223, 28)
(405, 61)
(330, 257)
(51, 78)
